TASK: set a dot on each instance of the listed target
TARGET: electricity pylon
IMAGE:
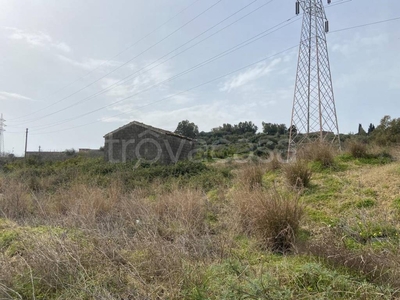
(2, 125)
(314, 113)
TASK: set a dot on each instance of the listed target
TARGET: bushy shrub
(388, 131)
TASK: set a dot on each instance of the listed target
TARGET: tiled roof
(148, 127)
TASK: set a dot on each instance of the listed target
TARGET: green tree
(293, 128)
(241, 128)
(371, 128)
(273, 129)
(187, 129)
(361, 130)
(388, 131)
(244, 127)
(227, 128)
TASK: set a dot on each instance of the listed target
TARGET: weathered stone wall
(137, 142)
(48, 156)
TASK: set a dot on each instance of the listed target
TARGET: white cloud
(210, 113)
(180, 99)
(250, 75)
(13, 96)
(360, 44)
(63, 47)
(115, 120)
(88, 64)
(37, 39)
(143, 81)
(206, 116)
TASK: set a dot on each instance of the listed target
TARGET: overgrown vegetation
(255, 229)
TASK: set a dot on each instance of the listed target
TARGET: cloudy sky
(74, 70)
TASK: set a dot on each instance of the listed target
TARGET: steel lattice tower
(314, 113)
(2, 125)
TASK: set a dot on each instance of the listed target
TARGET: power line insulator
(326, 26)
(297, 8)
(329, 1)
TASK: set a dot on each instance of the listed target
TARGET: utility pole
(26, 141)
(2, 125)
(314, 113)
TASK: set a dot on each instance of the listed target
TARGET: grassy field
(325, 227)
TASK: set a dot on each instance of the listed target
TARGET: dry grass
(321, 152)
(269, 215)
(251, 175)
(85, 241)
(357, 149)
(298, 174)
(380, 267)
(274, 164)
(112, 240)
(15, 199)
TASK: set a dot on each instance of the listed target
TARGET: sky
(71, 70)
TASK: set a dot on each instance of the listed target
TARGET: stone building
(138, 141)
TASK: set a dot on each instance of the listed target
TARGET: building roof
(148, 127)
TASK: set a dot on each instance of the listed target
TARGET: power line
(163, 99)
(118, 83)
(110, 59)
(181, 92)
(199, 65)
(125, 63)
(126, 78)
(367, 24)
(130, 46)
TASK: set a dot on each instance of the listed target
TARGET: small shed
(138, 141)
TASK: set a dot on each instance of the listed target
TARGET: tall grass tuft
(251, 176)
(271, 216)
(274, 164)
(15, 200)
(358, 149)
(321, 152)
(298, 174)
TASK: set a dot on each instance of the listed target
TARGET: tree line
(189, 129)
(386, 133)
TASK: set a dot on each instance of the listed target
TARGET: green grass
(380, 159)
(321, 217)
(366, 203)
(396, 204)
(283, 278)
